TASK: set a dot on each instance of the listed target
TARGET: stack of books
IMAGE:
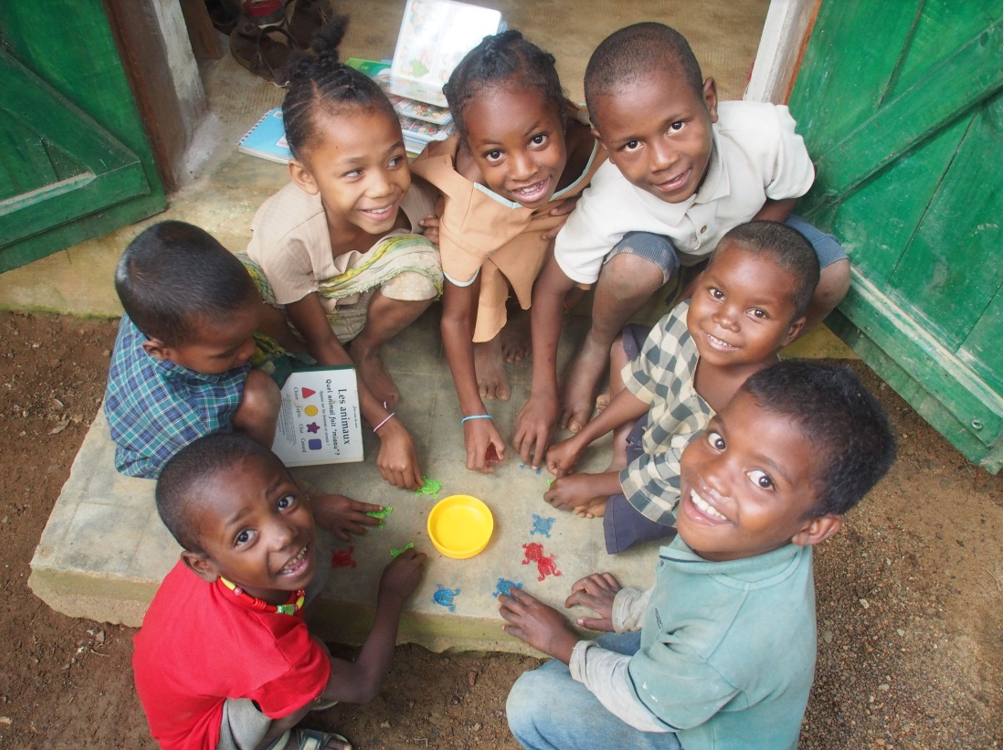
(435, 35)
(421, 122)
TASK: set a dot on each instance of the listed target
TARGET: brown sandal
(305, 17)
(264, 50)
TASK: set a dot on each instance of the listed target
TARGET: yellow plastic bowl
(460, 526)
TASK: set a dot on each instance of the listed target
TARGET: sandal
(305, 17)
(308, 739)
(257, 49)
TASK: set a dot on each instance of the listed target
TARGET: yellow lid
(460, 526)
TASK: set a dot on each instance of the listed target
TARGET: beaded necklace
(291, 607)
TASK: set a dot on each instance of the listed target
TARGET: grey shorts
(661, 251)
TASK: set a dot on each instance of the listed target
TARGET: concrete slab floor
(104, 551)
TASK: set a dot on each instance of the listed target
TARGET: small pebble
(863, 603)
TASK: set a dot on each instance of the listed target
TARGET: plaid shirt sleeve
(155, 408)
(663, 376)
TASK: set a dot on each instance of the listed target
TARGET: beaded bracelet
(385, 421)
(477, 416)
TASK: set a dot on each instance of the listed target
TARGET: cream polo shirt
(756, 155)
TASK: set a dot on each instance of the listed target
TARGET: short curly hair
(179, 487)
(846, 425)
(633, 53)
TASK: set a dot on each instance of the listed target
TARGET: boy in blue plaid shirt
(180, 365)
(667, 383)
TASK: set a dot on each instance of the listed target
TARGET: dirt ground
(909, 597)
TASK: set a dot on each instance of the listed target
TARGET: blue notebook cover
(267, 139)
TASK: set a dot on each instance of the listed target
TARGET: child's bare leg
(275, 325)
(259, 408)
(493, 380)
(618, 358)
(516, 335)
(834, 281)
(626, 283)
(385, 318)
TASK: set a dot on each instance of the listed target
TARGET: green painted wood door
(74, 161)
(900, 105)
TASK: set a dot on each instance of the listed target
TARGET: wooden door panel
(944, 270)
(900, 104)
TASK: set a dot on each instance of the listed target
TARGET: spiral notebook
(267, 139)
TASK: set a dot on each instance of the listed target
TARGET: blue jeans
(548, 710)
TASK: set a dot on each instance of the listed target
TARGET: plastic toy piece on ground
(504, 586)
(534, 552)
(429, 487)
(492, 455)
(398, 550)
(550, 481)
(342, 558)
(444, 597)
(542, 526)
(535, 471)
(381, 514)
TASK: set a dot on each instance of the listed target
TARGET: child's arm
(537, 419)
(776, 210)
(624, 407)
(397, 460)
(535, 623)
(460, 309)
(359, 681)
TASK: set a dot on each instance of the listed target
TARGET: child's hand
(402, 576)
(541, 626)
(597, 592)
(561, 457)
(397, 459)
(479, 434)
(534, 428)
(431, 225)
(343, 516)
(563, 209)
(572, 491)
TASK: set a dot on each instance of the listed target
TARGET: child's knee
(411, 286)
(834, 281)
(260, 403)
(631, 277)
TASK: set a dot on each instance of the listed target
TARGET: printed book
(435, 35)
(319, 420)
(267, 139)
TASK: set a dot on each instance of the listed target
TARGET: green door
(74, 161)
(900, 105)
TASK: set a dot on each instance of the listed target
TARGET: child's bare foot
(602, 402)
(516, 336)
(371, 371)
(593, 509)
(493, 380)
(581, 380)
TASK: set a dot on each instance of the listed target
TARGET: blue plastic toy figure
(504, 585)
(444, 597)
(542, 526)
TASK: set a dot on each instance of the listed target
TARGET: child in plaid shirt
(180, 364)
(748, 304)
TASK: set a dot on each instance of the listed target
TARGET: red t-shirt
(200, 645)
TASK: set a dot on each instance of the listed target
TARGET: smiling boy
(665, 384)
(224, 659)
(727, 644)
(683, 169)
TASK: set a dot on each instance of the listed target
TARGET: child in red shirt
(224, 658)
